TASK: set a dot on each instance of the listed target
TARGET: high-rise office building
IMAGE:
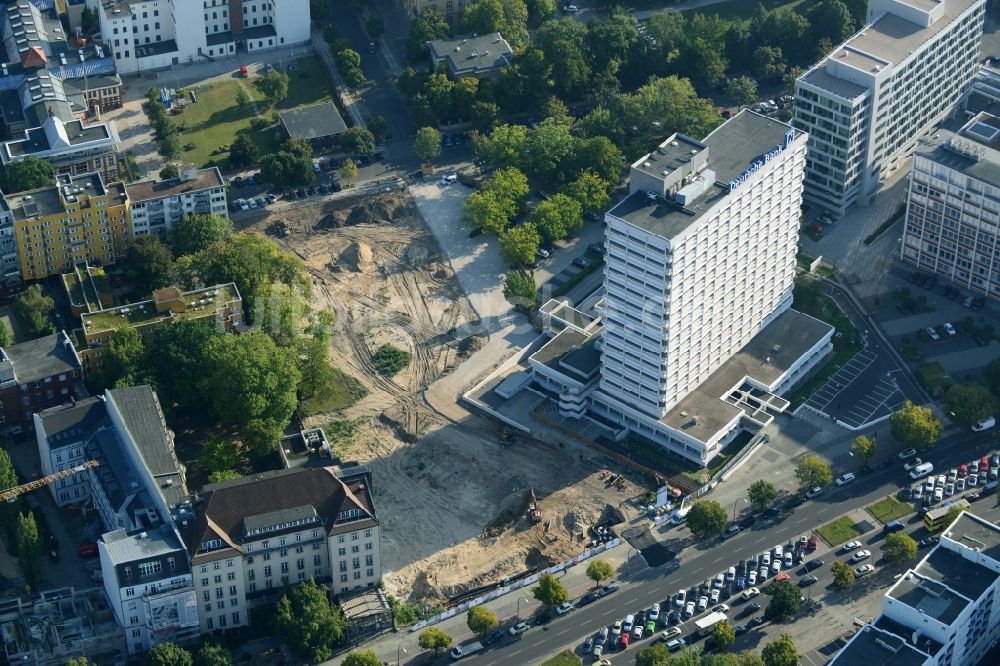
(951, 212)
(867, 103)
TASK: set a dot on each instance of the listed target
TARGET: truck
(461, 651)
(705, 625)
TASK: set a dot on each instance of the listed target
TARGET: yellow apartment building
(79, 220)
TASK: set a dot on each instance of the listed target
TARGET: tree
(707, 518)
(762, 492)
(785, 601)
(562, 43)
(217, 455)
(169, 654)
(550, 591)
(541, 10)
(80, 661)
(504, 146)
(433, 638)
(287, 168)
(243, 151)
(768, 62)
(428, 25)
(150, 264)
(519, 245)
(357, 141)
(27, 174)
(274, 84)
(480, 620)
(510, 188)
(968, 404)
(349, 171)
(249, 378)
(953, 513)
(843, 575)
(196, 232)
(915, 426)
(4, 336)
(557, 217)
(374, 26)
(224, 475)
(306, 621)
(780, 652)
(363, 658)
(177, 359)
(427, 145)
(242, 96)
(813, 471)
(213, 654)
(600, 570)
(864, 448)
(169, 172)
(485, 213)
(520, 291)
(549, 149)
(32, 308)
(832, 20)
(124, 356)
(29, 547)
(741, 91)
(900, 547)
(590, 191)
(8, 510)
(724, 635)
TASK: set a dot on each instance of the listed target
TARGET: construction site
(453, 494)
(59, 625)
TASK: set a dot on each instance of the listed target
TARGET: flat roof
(146, 190)
(123, 548)
(892, 38)
(875, 646)
(669, 157)
(967, 147)
(197, 303)
(942, 585)
(44, 357)
(574, 352)
(976, 533)
(36, 140)
(313, 122)
(733, 146)
(472, 54)
(793, 332)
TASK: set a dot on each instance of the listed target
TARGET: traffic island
(840, 530)
(888, 509)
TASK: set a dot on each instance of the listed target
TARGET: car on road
(845, 479)
(807, 581)
(609, 589)
(588, 598)
(932, 332)
(755, 622)
(731, 531)
(910, 464)
(812, 565)
(949, 329)
(564, 608)
(596, 248)
(676, 644)
(751, 609)
(672, 632)
(542, 253)
(851, 545)
(750, 593)
(519, 628)
(816, 490)
(497, 636)
(87, 550)
(861, 555)
(773, 512)
(570, 9)
(908, 453)
(681, 598)
(864, 570)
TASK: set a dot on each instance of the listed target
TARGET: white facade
(678, 306)
(158, 34)
(952, 215)
(156, 206)
(867, 103)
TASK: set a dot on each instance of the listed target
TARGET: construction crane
(11, 494)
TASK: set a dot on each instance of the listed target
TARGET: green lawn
(564, 658)
(839, 531)
(215, 120)
(889, 509)
(344, 391)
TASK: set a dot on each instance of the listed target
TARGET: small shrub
(189, 146)
(389, 360)
(258, 124)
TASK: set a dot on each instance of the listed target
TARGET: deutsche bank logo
(762, 160)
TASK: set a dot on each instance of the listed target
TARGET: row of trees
(165, 132)
(348, 63)
(779, 652)
(171, 654)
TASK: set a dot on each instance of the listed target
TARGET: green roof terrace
(85, 286)
(169, 303)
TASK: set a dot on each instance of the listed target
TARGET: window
(217, 579)
(221, 605)
(267, 570)
(236, 618)
(317, 560)
(149, 568)
(218, 593)
(208, 623)
(368, 533)
(370, 573)
(284, 567)
(232, 590)
(231, 576)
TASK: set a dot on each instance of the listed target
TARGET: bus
(934, 519)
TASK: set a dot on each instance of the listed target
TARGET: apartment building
(867, 104)
(942, 612)
(75, 221)
(696, 339)
(10, 261)
(73, 148)
(34, 376)
(220, 305)
(251, 536)
(148, 35)
(157, 205)
(952, 214)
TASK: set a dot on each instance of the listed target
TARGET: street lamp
(519, 600)
(737, 501)
(398, 650)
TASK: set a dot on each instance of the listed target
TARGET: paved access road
(694, 565)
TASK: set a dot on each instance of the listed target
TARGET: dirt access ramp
(451, 500)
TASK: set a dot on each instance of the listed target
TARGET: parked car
(816, 490)
(812, 565)
(910, 464)
(845, 479)
(807, 581)
(949, 329)
(519, 628)
(908, 453)
(564, 608)
(932, 333)
(670, 633)
(861, 555)
(87, 550)
(581, 262)
(864, 570)
(851, 545)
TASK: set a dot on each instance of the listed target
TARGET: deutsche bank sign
(762, 160)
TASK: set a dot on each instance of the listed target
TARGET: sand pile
(356, 258)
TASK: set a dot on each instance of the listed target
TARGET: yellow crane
(12, 493)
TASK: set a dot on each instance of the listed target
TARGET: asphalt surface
(694, 565)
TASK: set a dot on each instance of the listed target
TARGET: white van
(985, 424)
(629, 624)
(921, 470)
(680, 515)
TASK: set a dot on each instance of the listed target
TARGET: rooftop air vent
(673, 143)
(694, 152)
(647, 164)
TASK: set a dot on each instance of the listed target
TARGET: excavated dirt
(452, 502)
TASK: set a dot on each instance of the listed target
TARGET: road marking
(517, 652)
(560, 633)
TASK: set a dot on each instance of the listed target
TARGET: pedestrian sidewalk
(518, 603)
